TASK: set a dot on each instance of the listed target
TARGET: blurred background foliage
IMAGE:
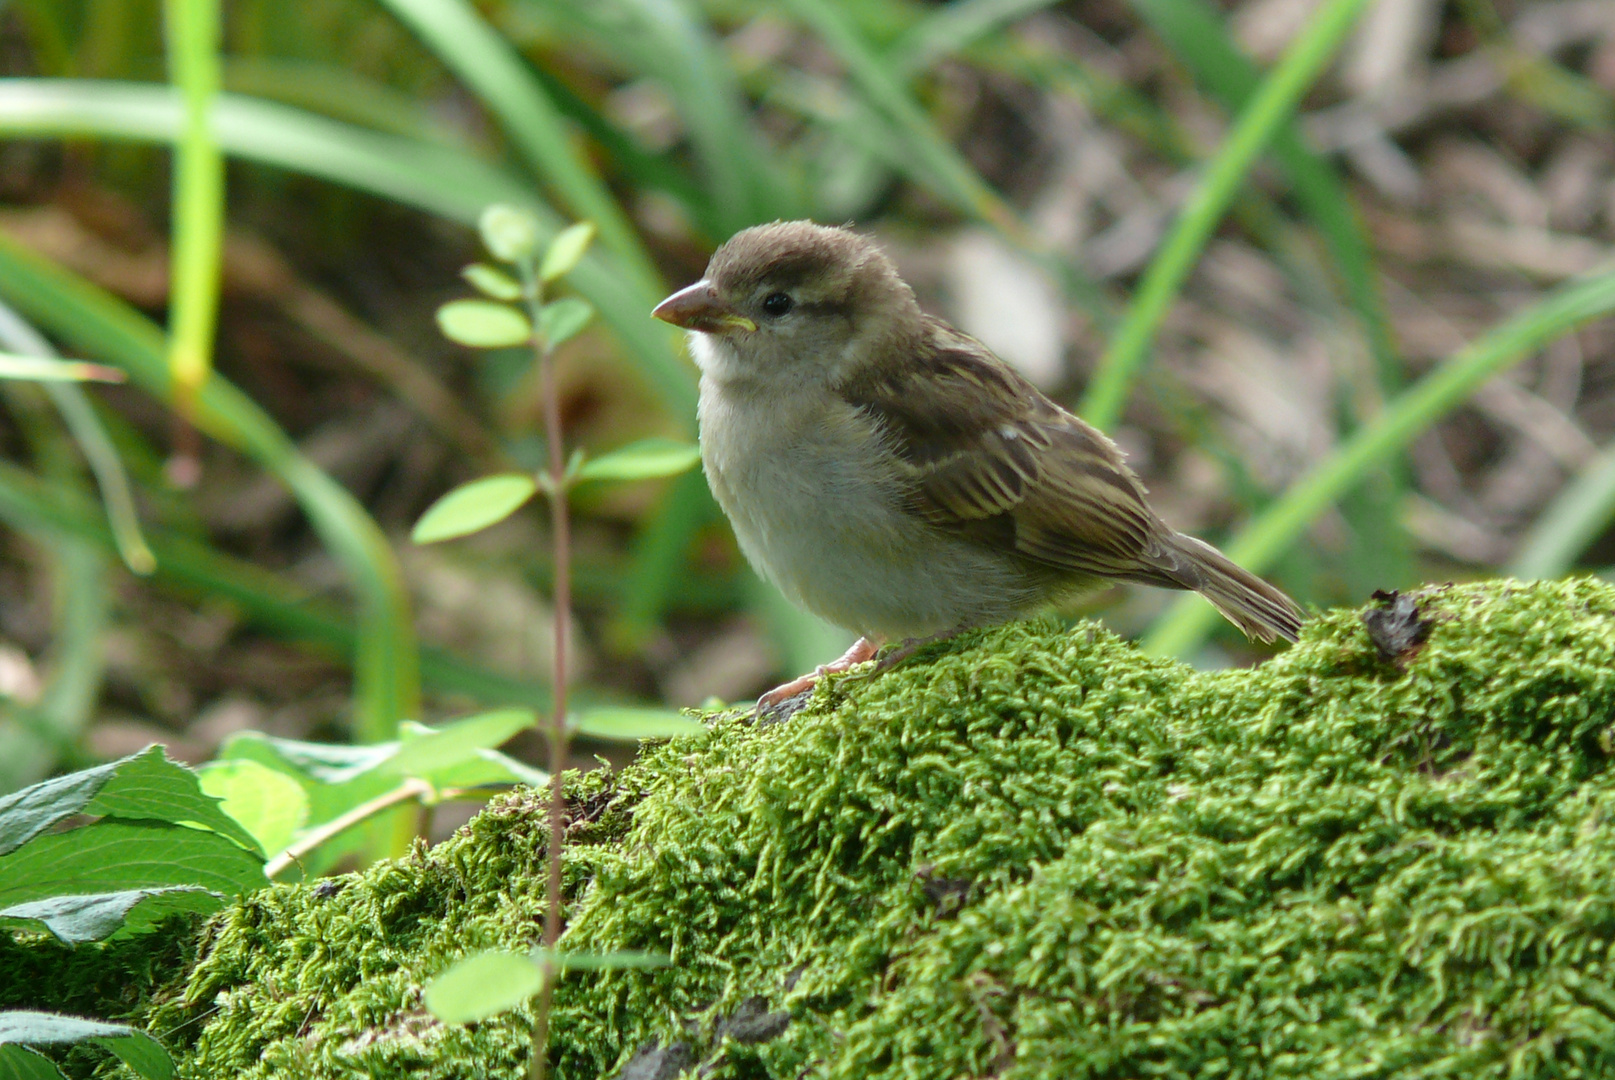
(1332, 272)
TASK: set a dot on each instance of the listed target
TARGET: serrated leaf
(268, 803)
(433, 753)
(564, 319)
(76, 920)
(491, 281)
(510, 232)
(474, 506)
(630, 724)
(114, 855)
(483, 985)
(647, 459)
(143, 785)
(483, 324)
(565, 250)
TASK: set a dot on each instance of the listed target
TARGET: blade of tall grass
(41, 736)
(433, 178)
(339, 94)
(47, 732)
(1197, 35)
(475, 52)
(197, 245)
(939, 166)
(93, 441)
(930, 161)
(1412, 412)
(950, 28)
(265, 598)
(1272, 103)
(1576, 517)
(430, 177)
(100, 325)
(669, 41)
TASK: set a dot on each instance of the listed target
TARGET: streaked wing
(994, 459)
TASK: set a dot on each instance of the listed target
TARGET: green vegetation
(1029, 853)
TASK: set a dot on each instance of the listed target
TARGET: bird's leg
(862, 649)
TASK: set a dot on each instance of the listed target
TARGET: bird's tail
(1245, 600)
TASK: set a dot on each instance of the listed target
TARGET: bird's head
(793, 301)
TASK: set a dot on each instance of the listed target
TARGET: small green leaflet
(426, 752)
(472, 507)
(647, 459)
(565, 250)
(492, 282)
(482, 985)
(564, 319)
(509, 232)
(483, 324)
(629, 724)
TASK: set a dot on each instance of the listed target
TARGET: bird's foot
(863, 649)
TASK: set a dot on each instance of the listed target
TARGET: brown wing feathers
(995, 460)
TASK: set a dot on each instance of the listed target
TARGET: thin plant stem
(541, 1022)
(560, 530)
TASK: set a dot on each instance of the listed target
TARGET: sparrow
(893, 476)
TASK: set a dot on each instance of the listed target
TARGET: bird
(893, 476)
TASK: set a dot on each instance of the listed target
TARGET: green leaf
(427, 753)
(493, 282)
(45, 369)
(561, 320)
(21, 1063)
(76, 920)
(510, 232)
(143, 785)
(647, 459)
(474, 506)
(142, 1053)
(483, 324)
(268, 803)
(629, 724)
(566, 250)
(114, 855)
(482, 985)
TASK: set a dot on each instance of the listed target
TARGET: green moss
(1029, 853)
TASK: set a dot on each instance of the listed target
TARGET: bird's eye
(777, 304)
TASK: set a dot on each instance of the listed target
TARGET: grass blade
(497, 74)
(430, 177)
(1572, 521)
(386, 676)
(265, 598)
(94, 443)
(1273, 102)
(1411, 413)
(1197, 35)
(197, 247)
(943, 169)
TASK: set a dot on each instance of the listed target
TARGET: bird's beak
(698, 308)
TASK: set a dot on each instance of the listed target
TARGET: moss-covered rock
(1028, 853)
